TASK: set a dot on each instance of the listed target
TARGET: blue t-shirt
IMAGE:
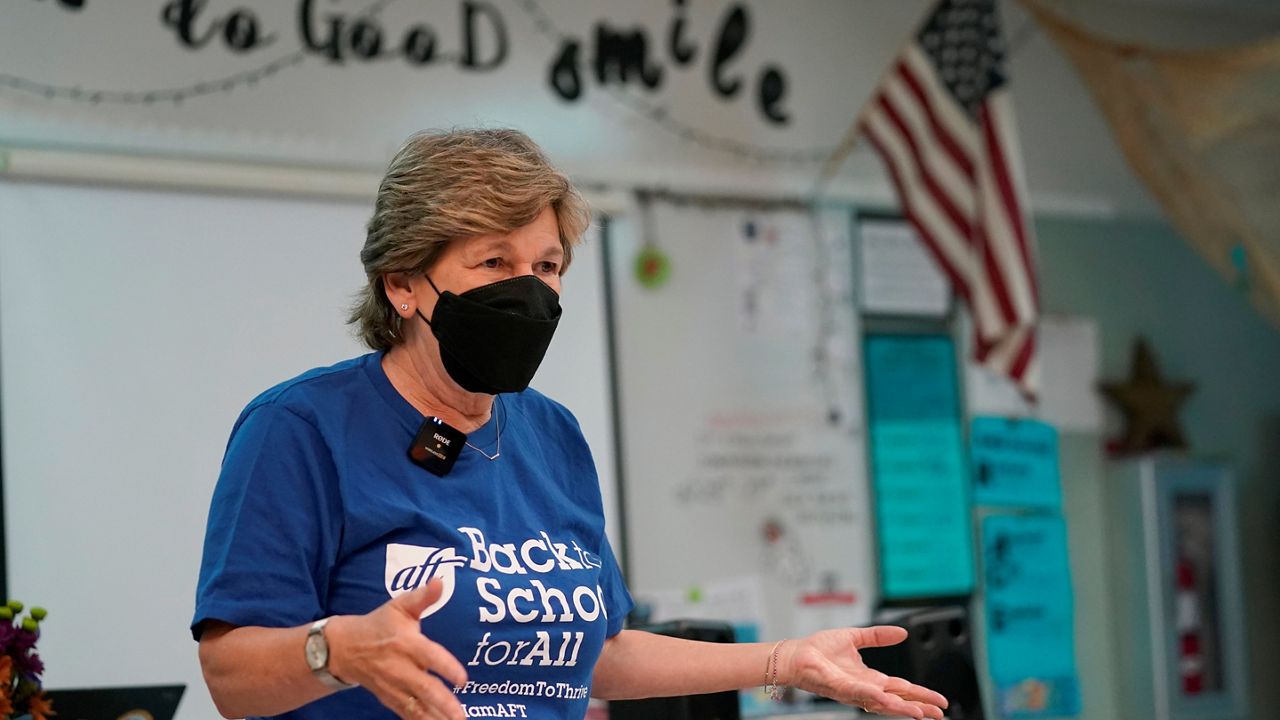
(319, 511)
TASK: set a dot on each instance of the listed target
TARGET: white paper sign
(1069, 397)
(898, 276)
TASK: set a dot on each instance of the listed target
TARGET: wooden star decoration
(1150, 405)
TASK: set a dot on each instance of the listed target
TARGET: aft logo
(411, 566)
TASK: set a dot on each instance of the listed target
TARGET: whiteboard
(134, 327)
(742, 419)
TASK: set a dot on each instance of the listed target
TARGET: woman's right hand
(386, 653)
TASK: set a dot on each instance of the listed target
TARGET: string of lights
(175, 95)
(148, 97)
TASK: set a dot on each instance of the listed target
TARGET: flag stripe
(999, 354)
(954, 129)
(944, 201)
(934, 230)
(994, 279)
(951, 266)
(1022, 361)
(1014, 355)
(1000, 257)
(950, 175)
(1029, 380)
(995, 313)
(1020, 269)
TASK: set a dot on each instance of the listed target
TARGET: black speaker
(937, 654)
(714, 706)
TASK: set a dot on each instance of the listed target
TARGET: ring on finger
(411, 705)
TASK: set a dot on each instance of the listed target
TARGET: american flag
(942, 123)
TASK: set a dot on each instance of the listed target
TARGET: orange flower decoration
(40, 707)
(6, 672)
(6, 707)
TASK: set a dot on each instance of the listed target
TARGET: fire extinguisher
(1190, 626)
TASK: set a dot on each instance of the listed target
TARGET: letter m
(620, 54)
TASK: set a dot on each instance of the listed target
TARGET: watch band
(315, 636)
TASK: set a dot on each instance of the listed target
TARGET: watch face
(317, 651)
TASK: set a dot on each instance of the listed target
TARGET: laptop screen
(154, 702)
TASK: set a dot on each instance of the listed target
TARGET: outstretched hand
(386, 653)
(828, 663)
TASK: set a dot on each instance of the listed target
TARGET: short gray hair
(443, 186)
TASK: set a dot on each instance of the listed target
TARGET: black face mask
(492, 338)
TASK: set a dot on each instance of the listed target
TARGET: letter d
(471, 10)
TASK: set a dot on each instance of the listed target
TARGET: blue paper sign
(1030, 627)
(1015, 463)
(922, 507)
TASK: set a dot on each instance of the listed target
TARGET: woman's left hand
(828, 663)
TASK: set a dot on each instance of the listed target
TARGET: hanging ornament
(652, 267)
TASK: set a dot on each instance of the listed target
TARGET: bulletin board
(919, 473)
(741, 416)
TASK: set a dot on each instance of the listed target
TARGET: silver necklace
(497, 449)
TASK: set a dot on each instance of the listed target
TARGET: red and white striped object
(942, 123)
(1189, 625)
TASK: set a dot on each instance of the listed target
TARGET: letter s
(486, 615)
(564, 72)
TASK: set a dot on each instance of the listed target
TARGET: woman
(415, 533)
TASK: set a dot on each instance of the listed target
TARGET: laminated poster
(1015, 463)
(919, 474)
(1029, 623)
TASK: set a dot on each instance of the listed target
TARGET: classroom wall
(1130, 275)
(1139, 277)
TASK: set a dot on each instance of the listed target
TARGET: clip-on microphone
(437, 446)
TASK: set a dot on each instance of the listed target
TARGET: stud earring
(404, 306)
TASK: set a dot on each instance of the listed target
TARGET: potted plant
(21, 690)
